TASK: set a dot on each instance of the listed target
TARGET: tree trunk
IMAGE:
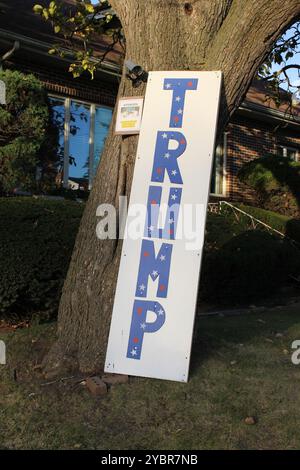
(233, 36)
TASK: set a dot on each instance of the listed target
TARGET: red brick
(96, 386)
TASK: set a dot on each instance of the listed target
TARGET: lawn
(241, 366)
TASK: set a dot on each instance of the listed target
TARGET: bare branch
(282, 70)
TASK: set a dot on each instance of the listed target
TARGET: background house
(83, 107)
(258, 128)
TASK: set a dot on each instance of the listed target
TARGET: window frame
(284, 149)
(92, 110)
(224, 166)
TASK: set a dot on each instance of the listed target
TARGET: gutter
(33, 45)
(40, 47)
(8, 54)
(268, 114)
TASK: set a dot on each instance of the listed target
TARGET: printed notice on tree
(129, 115)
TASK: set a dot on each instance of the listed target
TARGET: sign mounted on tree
(129, 115)
(153, 316)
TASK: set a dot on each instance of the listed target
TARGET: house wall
(62, 83)
(246, 138)
(249, 139)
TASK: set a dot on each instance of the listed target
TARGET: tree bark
(233, 36)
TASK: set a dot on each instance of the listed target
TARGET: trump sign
(155, 301)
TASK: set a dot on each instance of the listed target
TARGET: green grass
(240, 367)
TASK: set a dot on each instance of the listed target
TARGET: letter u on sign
(154, 308)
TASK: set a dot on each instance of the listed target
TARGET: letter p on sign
(2, 353)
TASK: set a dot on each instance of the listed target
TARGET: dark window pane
(58, 119)
(291, 153)
(218, 171)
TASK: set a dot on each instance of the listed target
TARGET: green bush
(37, 237)
(250, 266)
(27, 136)
(36, 242)
(276, 181)
(286, 225)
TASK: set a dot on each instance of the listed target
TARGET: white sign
(153, 315)
(2, 92)
(129, 115)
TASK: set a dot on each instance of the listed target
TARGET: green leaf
(89, 8)
(38, 9)
(45, 13)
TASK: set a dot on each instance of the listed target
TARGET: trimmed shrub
(282, 223)
(37, 237)
(36, 243)
(250, 266)
(276, 181)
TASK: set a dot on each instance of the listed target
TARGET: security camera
(136, 73)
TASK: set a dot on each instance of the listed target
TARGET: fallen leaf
(250, 420)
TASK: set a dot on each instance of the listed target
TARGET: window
(58, 119)
(218, 178)
(80, 123)
(82, 130)
(289, 152)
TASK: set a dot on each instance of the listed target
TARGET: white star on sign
(177, 98)
(174, 172)
(166, 155)
(154, 273)
(160, 312)
(143, 326)
(133, 352)
(164, 135)
(142, 287)
(162, 257)
(171, 221)
(168, 85)
(151, 228)
(179, 111)
(173, 197)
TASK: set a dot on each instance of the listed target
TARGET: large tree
(234, 36)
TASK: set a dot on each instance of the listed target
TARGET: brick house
(258, 127)
(80, 103)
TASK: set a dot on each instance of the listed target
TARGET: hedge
(37, 238)
(284, 224)
(36, 242)
(276, 182)
(251, 266)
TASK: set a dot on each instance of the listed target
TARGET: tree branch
(282, 70)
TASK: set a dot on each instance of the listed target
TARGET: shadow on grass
(221, 336)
